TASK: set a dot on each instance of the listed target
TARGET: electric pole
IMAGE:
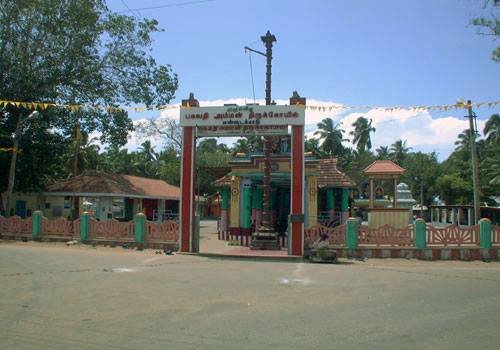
(475, 167)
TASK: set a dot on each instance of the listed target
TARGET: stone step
(264, 244)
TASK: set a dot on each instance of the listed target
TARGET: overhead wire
(170, 5)
(251, 73)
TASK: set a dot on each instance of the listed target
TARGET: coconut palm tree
(398, 151)
(463, 142)
(331, 136)
(361, 133)
(492, 129)
(383, 152)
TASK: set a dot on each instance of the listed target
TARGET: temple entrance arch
(233, 121)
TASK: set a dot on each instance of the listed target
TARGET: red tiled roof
(386, 167)
(126, 185)
(331, 176)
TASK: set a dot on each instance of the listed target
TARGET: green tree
(210, 156)
(399, 151)
(492, 129)
(361, 134)
(453, 189)
(490, 25)
(383, 152)
(331, 136)
(77, 52)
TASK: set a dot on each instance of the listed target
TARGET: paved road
(79, 297)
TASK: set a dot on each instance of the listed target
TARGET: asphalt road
(79, 297)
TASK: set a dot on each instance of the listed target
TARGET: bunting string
(314, 108)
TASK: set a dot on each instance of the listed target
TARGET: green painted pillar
(139, 228)
(225, 194)
(485, 233)
(246, 207)
(352, 233)
(330, 199)
(420, 234)
(84, 226)
(37, 224)
(344, 204)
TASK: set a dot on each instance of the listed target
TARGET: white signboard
(242, 116)
(241, 130)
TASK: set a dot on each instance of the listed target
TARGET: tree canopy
(74, 52)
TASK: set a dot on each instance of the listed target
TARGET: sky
(350, 52)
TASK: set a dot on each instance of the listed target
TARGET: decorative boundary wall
(421, 241)
(495, 231)
(14, 226)
(139, 232)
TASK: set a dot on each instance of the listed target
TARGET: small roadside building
(105, 196)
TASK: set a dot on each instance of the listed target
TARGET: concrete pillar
(469, 216)
(139, 228)
(485, 234)
(344, 205)
(372, 195)
(312, 201)
(84, 226)
(224, 207)
(297, 190)
(352, 233)
(246, 204)
(459, 216)
(235, 202)
(395, 193)
(37, 224)
(330, 202)
(420, 234)
(187, 205)
(431, 210)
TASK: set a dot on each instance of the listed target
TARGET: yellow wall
(56, 201)
(312, 196)
(34, 201)
(396, 219)
(235, 202)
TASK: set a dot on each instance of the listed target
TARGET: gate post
(37, 224)
(297, 186)
(352, 233)
(420, 234)
(139, 228)
(187, 205)
(485, 233)
(84, 226)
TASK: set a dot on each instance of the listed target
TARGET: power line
(251, 73)
(169, 5)
(131, 10)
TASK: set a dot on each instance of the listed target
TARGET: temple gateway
(326, 201)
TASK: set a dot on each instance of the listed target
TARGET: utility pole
(75, 212)
(13, 159)
(475, 167)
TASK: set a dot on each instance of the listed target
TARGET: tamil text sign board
(242, 120)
